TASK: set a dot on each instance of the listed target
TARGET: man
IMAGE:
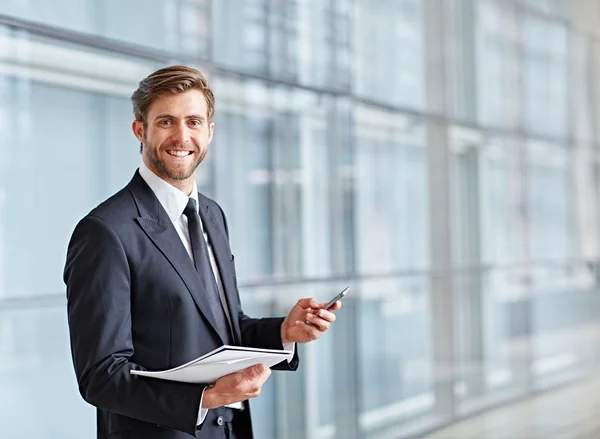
(151, 284)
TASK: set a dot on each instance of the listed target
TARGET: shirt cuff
(291, 348)
(201, 412)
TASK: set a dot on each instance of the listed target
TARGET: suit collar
(157, 225)
(155, 222)
(146, 202)
(172, 199)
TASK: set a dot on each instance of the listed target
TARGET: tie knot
(190, 210)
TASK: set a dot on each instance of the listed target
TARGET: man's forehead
(183, 104)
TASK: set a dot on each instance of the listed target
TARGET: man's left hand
(307, 321)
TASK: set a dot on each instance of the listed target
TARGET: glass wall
(447, 173)
(175, 26)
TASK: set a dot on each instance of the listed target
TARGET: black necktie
(204, 268)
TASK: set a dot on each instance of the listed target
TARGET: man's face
(176, 137)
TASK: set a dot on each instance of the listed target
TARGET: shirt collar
(172, 199)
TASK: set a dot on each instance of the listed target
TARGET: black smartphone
(336, 298)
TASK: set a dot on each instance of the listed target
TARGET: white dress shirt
(174, 202)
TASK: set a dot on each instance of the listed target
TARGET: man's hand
(236, 387)
(295, 327)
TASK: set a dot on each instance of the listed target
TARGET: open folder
(220, 362)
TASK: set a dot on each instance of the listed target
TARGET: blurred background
(440, 157)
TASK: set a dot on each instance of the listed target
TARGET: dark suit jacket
(135, 301)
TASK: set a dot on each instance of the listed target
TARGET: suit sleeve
(262, 333)
(99, 316)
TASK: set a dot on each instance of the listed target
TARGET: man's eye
(165, 122)
(196, 122)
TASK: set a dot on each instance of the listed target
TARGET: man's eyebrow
(165, 116)
(195, 116)
(170, 116)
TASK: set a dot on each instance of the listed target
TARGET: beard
(169, 171)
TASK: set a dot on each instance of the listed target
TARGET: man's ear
(138, 130)
(211, 131)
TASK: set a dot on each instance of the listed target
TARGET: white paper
(220, 362)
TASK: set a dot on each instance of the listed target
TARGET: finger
(256, 375)
(326, 315)
(337, 305)
(321, 324)
(253, 372)
(263, 377)
(313, 332)
(258, 372)
(251, 388)
(308, 303)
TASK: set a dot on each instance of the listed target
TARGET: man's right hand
(236, 387)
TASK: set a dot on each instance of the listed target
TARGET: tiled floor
(570, 412)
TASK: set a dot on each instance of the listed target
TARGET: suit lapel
(157, 225)
(218, 242)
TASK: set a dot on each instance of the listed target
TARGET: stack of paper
(220, 362)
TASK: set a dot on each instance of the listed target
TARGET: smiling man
(151, 284)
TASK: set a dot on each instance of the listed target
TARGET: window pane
(272, 177)
(389, 51)
(545, 74)
(79, 150)
(549, 201)
(180, 26)
(39, 393)
(391, 164)
(497, 45)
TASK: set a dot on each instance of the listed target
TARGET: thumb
(253, 371)
(308, 303)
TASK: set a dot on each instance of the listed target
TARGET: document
(220, 362)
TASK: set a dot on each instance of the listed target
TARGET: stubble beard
(178, 172)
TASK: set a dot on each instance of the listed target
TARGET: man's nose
(181, 135)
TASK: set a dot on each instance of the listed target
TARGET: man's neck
(186, 186)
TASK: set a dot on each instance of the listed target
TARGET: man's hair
(170, 80)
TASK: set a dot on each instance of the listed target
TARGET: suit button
(220, 420)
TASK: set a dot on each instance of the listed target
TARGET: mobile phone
(336, 298)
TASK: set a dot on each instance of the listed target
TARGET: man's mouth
(178, 153)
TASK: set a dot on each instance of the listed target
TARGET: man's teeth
(179, 153)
